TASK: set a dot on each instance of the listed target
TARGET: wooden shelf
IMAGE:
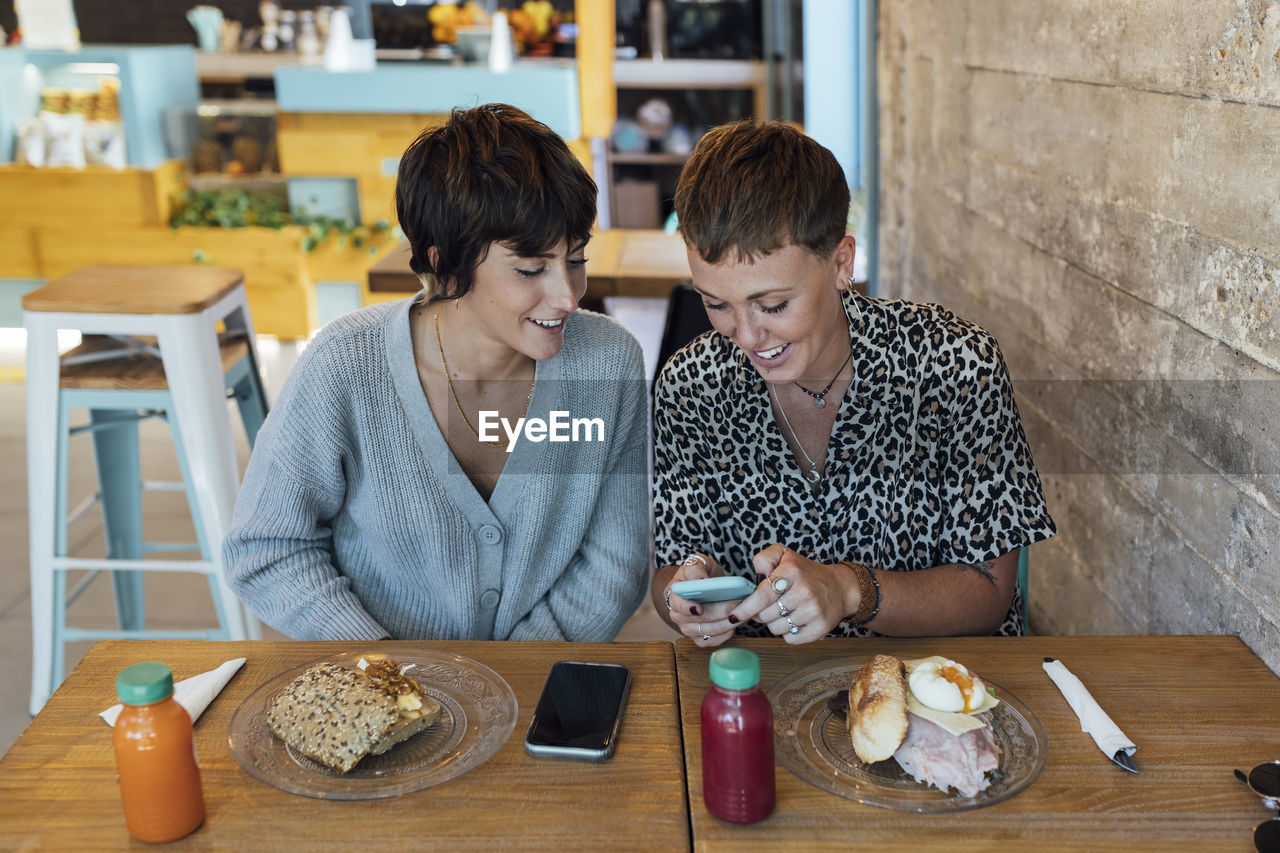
(619, 158)
(688, 74)
(220, 67)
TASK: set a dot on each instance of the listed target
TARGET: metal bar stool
(168, 342)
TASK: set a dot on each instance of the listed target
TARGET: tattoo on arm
(983, 568)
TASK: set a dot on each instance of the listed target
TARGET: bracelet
(868, 594)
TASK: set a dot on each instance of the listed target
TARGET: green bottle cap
(734, 669)
(144, 683)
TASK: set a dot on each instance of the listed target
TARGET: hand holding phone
(579, 712)
(708, 590)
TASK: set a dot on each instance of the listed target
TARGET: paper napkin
(1106, 734)
(194, 693)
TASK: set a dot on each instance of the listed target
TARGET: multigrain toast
(337, 715)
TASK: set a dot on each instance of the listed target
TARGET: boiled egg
(945, 685)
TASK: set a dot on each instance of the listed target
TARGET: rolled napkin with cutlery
(1106, 734)
(194, 693)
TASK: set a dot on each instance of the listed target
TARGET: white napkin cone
(1106, 734)
(194, 693)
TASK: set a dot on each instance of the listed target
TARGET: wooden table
(620, 262)
(58, 786)
(1196, 706)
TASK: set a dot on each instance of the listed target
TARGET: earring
(857, 312)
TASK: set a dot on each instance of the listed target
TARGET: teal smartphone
(708, 590)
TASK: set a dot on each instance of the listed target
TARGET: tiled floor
(174, 600)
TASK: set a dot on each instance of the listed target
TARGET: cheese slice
(955, 722)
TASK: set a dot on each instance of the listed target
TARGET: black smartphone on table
(579, 712)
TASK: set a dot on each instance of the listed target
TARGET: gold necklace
(813, 475)
(454, 394)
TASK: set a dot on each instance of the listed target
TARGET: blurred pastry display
(74, 128)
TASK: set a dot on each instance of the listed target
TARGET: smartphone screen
(579, 711)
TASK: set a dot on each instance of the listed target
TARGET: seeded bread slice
(333, 715)
(405, 729)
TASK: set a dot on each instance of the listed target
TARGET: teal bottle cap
(144, 683)
(735, 669)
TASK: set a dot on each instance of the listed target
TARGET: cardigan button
(489, 599)
(490, 535)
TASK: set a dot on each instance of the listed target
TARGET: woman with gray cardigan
(469, 463)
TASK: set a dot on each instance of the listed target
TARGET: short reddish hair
(753, 187)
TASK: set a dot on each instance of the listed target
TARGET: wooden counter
(620, 262)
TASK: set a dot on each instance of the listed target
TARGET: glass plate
(479, 714)
(814, 744)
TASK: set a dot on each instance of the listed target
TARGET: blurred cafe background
(1097, 184)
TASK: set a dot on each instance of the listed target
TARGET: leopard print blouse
(927, 464)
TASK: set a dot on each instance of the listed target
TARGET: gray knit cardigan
(355, 521)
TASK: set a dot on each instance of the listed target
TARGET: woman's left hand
(799, 600)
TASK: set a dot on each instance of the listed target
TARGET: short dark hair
(490, 174)
(753, 187)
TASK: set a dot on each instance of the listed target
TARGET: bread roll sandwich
(930, 716)
(337, 715)
(878, 708)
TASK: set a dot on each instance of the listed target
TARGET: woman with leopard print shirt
(862, 461)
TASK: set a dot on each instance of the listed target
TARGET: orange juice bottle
(155, 757)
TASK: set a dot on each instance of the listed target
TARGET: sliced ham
(936, 757)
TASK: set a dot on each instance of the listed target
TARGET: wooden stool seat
(134, 371)
(135, 290)
(174, 342)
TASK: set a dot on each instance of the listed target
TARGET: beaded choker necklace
(820, 397)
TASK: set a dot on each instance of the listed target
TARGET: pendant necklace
(454, 394)
(813, 475)
(820, 397)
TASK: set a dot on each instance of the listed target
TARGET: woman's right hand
(690, 617)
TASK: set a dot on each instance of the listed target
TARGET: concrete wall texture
(1097, 183)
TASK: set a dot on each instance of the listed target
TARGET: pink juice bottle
(737, 740)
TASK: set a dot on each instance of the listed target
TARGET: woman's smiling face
(524, 302)
(782, 309)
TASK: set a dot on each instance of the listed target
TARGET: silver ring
(703, 634)
(666, 596)
(794, 630)
(782, 611)
(695, 558)
(780, 585)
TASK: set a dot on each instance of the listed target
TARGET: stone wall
(1097, 183)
